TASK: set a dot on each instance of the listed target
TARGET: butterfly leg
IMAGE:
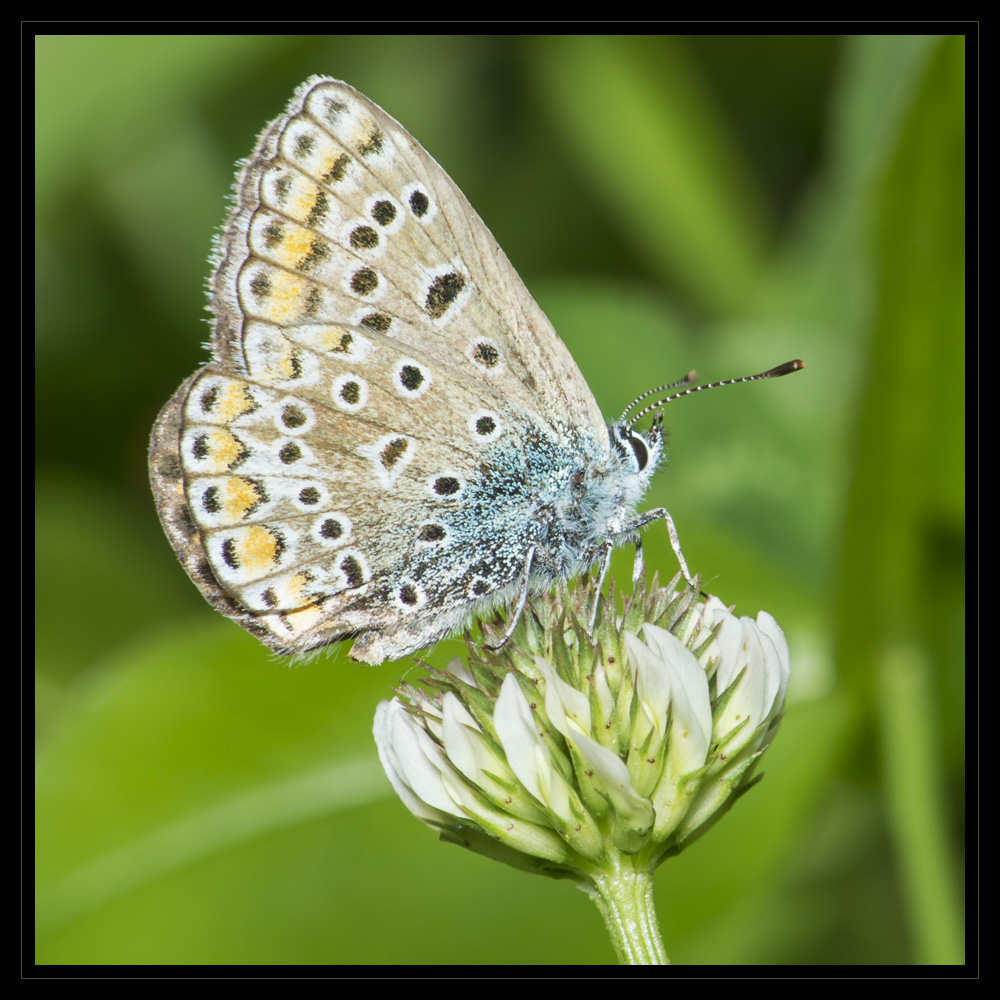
(638, 565)
(647, 517)
(522, 597)
(601, 574)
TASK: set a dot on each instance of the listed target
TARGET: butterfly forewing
(343, 217)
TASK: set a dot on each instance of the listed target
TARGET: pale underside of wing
(370, 491)
(388, 408)
(342, 217)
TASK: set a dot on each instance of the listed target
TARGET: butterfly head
(640, 453)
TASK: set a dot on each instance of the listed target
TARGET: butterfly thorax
(575, 493)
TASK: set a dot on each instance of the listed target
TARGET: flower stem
(625, 898)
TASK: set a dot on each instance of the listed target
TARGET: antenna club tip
(787, 368)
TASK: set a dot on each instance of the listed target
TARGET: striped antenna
(786, 369)
(688, 379)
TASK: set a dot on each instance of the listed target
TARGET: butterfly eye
(640, 449)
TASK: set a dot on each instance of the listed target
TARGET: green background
(722, 204)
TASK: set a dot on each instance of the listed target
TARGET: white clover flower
(592, 757)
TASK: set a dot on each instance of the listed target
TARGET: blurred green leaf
(640, 121)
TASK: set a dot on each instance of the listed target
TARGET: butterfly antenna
(786, 369)
(688, 379)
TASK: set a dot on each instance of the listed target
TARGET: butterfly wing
(357, 459)
(343, 217)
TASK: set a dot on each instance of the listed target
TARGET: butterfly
(390, 439)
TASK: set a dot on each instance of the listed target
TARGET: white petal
(463, 741)
(699, 625)
(457, 668)
(567, 708)
(416, 781)
(763, 661)
(754, 697)
(751, 694)
(690, 707)
(430, 714)
(729, 642)
(610, 776)
(527, 754)
(769, 627)
(652, 686)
